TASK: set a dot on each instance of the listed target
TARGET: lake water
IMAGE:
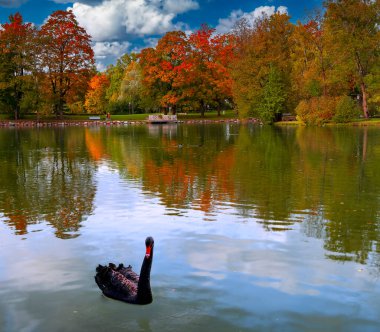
(256, 228)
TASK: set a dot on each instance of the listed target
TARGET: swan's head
(149, 244)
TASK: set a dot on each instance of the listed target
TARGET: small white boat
(162, 118)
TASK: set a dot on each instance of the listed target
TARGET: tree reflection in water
(48, 177)
(323, 181)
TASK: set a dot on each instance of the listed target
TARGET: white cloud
(117, 19)
(105, 49)
(107, 52)
(178, 7)
(227, 24)
(282, 10)
(102, 22)
(151, 42)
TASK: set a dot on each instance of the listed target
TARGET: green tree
(131, 86)
(273, 99)
(17, 57)
(373, 83)
(115, 74)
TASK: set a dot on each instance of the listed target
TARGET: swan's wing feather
(114, 284)
(128, 273)
(122, 284)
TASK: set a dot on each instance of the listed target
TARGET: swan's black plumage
(123, 284)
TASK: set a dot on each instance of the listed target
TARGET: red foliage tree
(208, 77)
(66, 57)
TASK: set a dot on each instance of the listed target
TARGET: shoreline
(90, 123)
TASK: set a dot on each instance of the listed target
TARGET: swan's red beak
(148, 251)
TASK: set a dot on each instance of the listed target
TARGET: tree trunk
(60, 109)
(218, 109)
(364, 100)
(203, 109)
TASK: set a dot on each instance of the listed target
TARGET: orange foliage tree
(189, 71)
(95, 101)
(160, 68)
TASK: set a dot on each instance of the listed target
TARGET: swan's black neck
(144, 292)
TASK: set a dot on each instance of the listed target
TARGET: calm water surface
(256, 229)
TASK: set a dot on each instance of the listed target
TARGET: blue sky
(121, 26)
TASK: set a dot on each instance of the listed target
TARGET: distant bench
(288, 117)
(94, 117)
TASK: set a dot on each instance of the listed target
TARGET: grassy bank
(356, 122)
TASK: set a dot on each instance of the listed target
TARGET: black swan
(121, 283)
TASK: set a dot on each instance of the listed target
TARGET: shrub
(346, 110)
(316, 110)
(76, 108)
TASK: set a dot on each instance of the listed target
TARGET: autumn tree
(207, 78)
(17, 59)
(189, 72)
(265, 43)
(353, 31)
(67, 56)
(96, 95)
(373, 83)
(160, 68)
(224, 54)
(311, 64)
